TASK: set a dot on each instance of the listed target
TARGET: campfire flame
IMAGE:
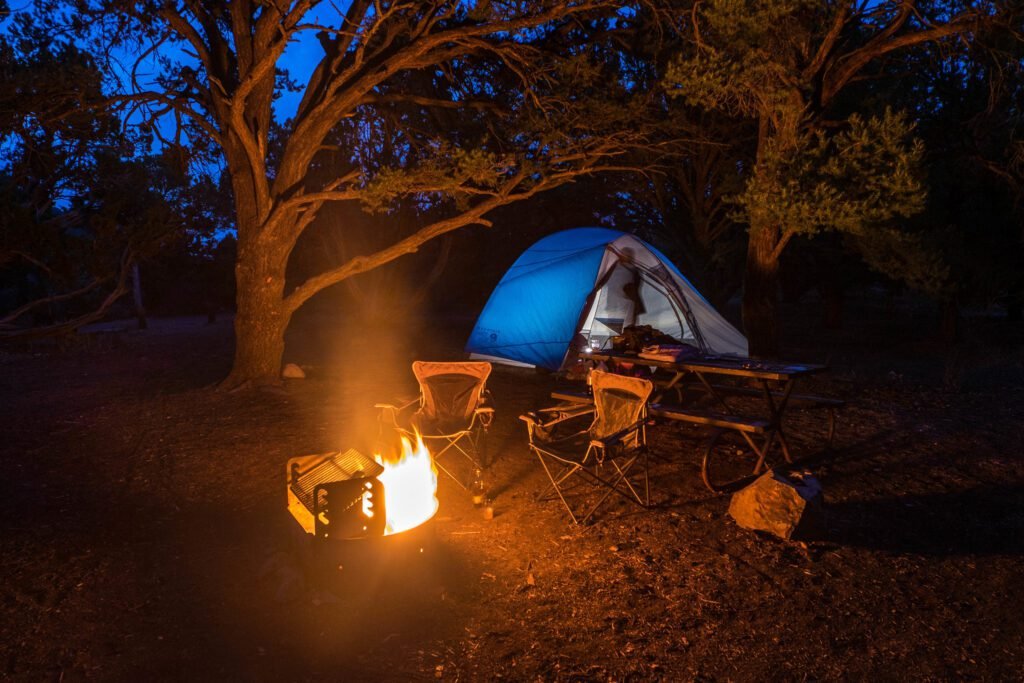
(410, 486)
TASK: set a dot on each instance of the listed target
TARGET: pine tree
(783, 64)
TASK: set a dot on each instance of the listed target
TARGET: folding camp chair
(605, 452)
(451, 411)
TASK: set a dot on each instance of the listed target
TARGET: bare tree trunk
(949, 321)
(760, 292)
(833, 296)
(261, 317)
(140, 310)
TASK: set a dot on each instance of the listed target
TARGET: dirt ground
(144, 536)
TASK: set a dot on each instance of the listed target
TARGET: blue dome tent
(592, 282)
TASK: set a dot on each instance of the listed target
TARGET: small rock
(789, 506)
(293, 371)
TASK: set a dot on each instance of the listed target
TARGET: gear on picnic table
(635, 337)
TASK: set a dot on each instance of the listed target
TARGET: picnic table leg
(760, 451)
(672, 384)
(715, 394)
(781, 437)
(762, 454)
(716, 471)
(777, 412)
(775, 418)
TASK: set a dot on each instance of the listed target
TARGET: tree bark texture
(260, 319)
(140, 310)
(949, 321)
(760, 292)
(833, 297)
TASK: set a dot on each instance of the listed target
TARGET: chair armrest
(603, 446)
(532, 421)
(537, 428)
(396, 407)
(549, 418)
(387, 413)
(567, 411)
(617, 436)
(485, 414)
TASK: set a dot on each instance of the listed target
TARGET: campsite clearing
(145, 536)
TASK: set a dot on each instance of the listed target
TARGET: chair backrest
(450, 392)
(619, 402)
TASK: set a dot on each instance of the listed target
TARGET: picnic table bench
(719, 422)
(679, 413)
(721, 466)
(811, 401)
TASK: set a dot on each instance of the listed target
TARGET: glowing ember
(410, 487)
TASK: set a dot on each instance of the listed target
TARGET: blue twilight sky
(300, 58)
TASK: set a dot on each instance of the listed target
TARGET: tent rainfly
(592, 282)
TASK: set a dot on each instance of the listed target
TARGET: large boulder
(790, 505)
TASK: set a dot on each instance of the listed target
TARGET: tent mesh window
(632, 298)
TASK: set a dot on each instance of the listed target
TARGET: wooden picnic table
(760, 430)
(716, 365)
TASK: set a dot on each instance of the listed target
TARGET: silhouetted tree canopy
(884, 132)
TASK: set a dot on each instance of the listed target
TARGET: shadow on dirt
(980, 521)
(280, 607)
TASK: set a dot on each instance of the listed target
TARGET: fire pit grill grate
(330, 468)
